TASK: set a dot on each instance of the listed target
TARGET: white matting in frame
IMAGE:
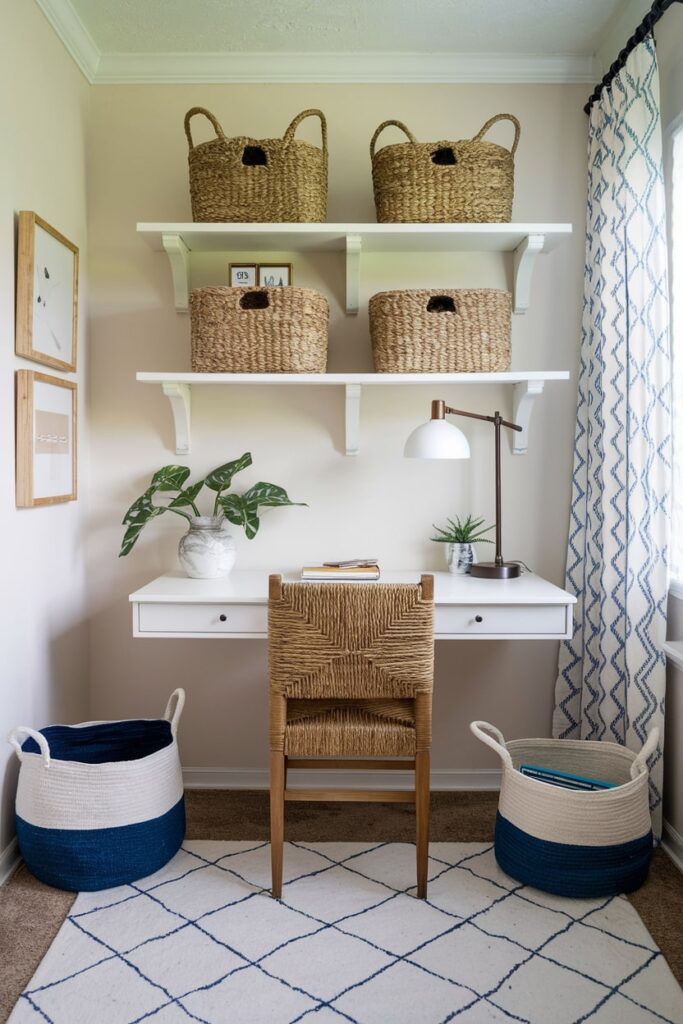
(47, 294)
(47, 428)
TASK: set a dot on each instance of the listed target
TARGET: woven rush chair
(351, 678)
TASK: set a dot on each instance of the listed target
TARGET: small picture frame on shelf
(275, 275)
(47, 294)
(46, 439)
(243, 275)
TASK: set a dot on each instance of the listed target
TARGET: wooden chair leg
(277, 819)
(422, 820)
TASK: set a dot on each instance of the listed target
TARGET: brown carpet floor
(31, 913)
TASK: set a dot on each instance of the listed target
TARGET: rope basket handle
(207, 113)
(385, 124)
(500, 117)
(493, 738)
(288, 137)
(649, 746)
(23, 730)
(172, 713)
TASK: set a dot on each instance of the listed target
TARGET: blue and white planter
(100, 804)
(581, 844)
(460, 558)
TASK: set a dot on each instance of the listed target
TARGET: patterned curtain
(611, 674)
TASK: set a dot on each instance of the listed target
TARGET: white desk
(528, 608)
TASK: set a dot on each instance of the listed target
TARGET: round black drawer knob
(223, 618)
(478, 618)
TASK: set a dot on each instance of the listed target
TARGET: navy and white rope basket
(101, 803)
(581, 844)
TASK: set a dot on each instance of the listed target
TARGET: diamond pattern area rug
(202, 940)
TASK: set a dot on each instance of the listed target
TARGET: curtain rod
(642, 32)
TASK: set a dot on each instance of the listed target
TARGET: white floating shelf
(526, 387)
(525, 241)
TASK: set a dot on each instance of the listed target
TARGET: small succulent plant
(463, 531)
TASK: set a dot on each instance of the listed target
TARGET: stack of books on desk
(354, 569)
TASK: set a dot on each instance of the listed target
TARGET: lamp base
(491, 571)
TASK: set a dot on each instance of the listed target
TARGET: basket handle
(500, 117)
(385, 124)
(288, 137)
(648, 748)
(23, 730)
(172, 713)
(493, 738)
(207, 113)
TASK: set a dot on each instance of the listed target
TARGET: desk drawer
(500, 620)
(202, 619)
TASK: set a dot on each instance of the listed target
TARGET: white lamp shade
(437, 439)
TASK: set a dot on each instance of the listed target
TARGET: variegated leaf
(220, 479)
(169, 478)
(268, 495)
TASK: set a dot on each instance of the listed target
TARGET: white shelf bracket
(179, 258)
(354, 244)
(524, 396)
(179, 395)
(353, 392)
(523, 260)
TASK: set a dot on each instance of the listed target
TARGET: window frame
(674, 133)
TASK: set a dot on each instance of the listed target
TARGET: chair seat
(350, 728)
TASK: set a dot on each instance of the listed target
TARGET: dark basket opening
(441, 304)
(255, 300)
(444, 157)
(254, 156)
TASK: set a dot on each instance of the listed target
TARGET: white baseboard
(257, 778)
(10, 859)
(672, 842)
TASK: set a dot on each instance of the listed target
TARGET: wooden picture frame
(275, 275)
(47, 294)
(46, 439)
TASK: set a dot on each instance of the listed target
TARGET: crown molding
(176, 68)
(73, 33)
(173, 68)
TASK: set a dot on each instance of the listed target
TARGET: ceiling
(384, 40)
(482, 26)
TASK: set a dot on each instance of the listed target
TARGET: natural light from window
(676, 559)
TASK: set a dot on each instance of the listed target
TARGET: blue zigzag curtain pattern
(611, 674)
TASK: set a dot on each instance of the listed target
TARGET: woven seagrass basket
(257, 180)
(468, 181)
(258, 330)
(100, 804)
(450, 331)
(582, 844)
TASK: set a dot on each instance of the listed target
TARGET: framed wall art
(47, 294)
(275, 275)
(47, 428)
(243, 275)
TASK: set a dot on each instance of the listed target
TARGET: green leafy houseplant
(239, 509)
(463, 531)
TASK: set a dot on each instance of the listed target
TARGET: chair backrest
(351, 640)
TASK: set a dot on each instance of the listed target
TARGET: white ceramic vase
(207, 551)
(460, 558)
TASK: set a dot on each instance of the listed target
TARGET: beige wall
(377, 502)
(43, 109)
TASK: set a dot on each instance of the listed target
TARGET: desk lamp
(438, 439)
